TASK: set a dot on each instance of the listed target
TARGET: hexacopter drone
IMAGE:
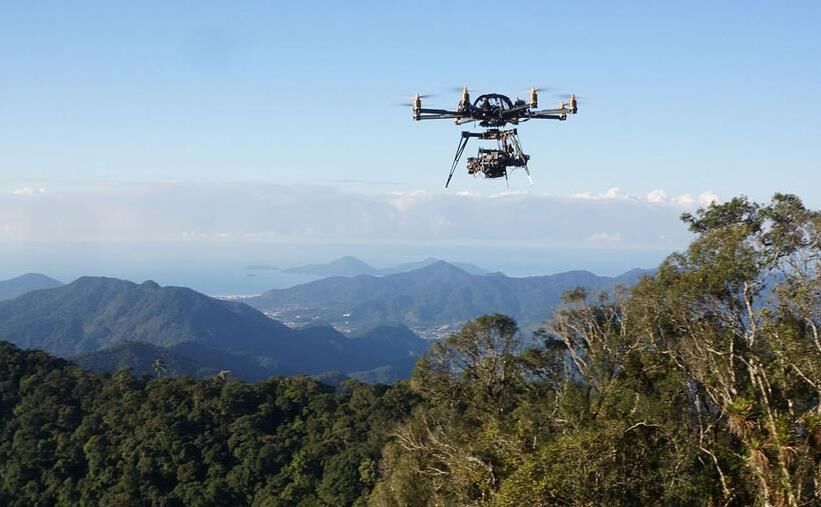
(492, 111)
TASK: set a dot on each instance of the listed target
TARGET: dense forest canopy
(700, 386)
(72, 437)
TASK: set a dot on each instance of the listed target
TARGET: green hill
(183, 359)
(437, 294)
(93, 314)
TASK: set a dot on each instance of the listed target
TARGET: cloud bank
(255, 212)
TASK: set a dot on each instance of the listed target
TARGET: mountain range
(107, 321)
(351, 266)
(438, 294)
(10, 289)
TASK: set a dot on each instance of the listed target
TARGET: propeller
(464, 93)
(572, 101)
(413, 98)
(538, 89)
(566, 96)
(533, 94)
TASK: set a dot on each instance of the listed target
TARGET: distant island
(261, 267)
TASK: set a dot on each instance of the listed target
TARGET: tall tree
(739, 313)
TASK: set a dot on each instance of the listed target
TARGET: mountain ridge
(349, 266)
(435, 295)
(344, 266)
(17, 286)
(96, 313)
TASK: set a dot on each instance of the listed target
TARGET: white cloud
(28, 191)
(611, 193)
(707, 198)
(404, 201)
(656, 196)
(510, 195)
(298, 214)
(604, 238)
(615, 193)
(684, 200)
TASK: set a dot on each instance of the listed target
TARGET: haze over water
(224, 271)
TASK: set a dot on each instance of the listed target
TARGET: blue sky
(686, 99)
(717, 96)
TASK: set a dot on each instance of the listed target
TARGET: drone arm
(437, 117)
(434, 114)
(425, 113)
(515, 110)
(550, 114)
(425, 110)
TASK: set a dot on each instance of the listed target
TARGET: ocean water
(204, 270)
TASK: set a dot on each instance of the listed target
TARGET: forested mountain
(186, 358)
(92, 314)
(71, 437)
(10, 289)
(95, 312)
(437, 294)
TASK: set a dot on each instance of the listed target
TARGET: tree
(455, 442)
(738, 313)
(478, 364)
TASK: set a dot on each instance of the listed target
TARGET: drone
(493, 111)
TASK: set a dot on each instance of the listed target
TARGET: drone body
(493, 111)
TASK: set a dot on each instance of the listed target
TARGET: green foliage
(71, 437)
